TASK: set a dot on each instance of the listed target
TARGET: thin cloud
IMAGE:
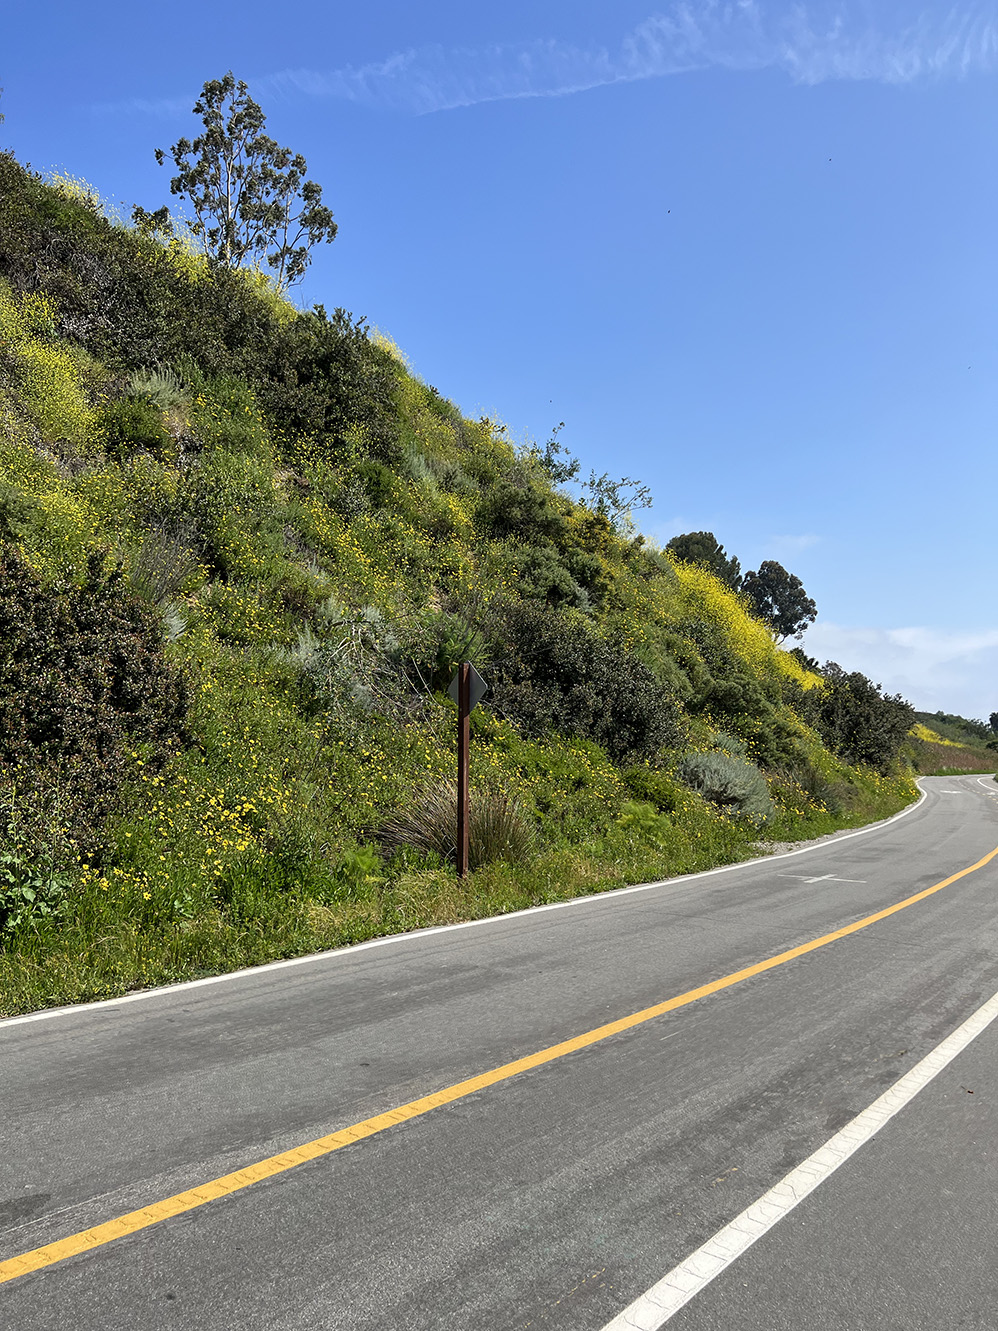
(792, 545)
(661, 533)
(936, 671)
(811, 43)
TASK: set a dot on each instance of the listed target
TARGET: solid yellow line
(278, 1164)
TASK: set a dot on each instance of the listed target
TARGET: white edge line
(351, 949)
(658, 1304)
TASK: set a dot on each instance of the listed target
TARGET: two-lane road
(529, 1121)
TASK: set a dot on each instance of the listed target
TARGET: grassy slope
(333, 501)
(946, 745)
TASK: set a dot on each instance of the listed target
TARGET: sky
(747, 252)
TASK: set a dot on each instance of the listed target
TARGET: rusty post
(463, 758)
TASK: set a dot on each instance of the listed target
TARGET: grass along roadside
(107, 942)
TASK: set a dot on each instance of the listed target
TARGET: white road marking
(657, 1305)
(824, 878)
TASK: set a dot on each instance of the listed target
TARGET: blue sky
(747, 252)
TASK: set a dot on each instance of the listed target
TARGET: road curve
(554, 1196)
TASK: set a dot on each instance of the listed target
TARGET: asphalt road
(551, 1199)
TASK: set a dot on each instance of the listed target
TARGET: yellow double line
(87, 1239)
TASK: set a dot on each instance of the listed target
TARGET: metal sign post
(467, 688)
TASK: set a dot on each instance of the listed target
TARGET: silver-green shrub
(161, 388)
(734, 784)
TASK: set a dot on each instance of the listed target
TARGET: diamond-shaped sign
(477, 688)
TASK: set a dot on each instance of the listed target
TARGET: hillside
(243, 548)
(943, 744)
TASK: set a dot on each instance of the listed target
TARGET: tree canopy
(860, 722)
(702, 547)
(779, 598)
(250, 197)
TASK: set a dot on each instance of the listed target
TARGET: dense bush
(522, 509)
(543, 575)
(858, 721)
(731, 695)
(84, 686)
(653, 787)
(551, 672)
(320, 377)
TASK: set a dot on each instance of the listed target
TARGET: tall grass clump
(165, 563)
(497, 828)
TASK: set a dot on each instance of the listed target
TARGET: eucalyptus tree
(250, 198)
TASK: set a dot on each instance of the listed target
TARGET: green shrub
(497, 828)
(521, 510)
(321, 378)
(543, 575)
(378, 482)
(131, 424)
(857, 720)
(731, 783)
(552, 672)
(644, 821)
(83, 685)
(358, 872)
(654, 787)
(226, 418)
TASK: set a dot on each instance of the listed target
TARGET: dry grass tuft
(497, 827)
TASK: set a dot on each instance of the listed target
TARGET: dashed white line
(658, 1304)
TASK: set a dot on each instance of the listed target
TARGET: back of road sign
(477, 688)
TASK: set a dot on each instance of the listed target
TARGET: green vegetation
(702, 547)
(771, 593)
(857, 720)
(243, 549)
